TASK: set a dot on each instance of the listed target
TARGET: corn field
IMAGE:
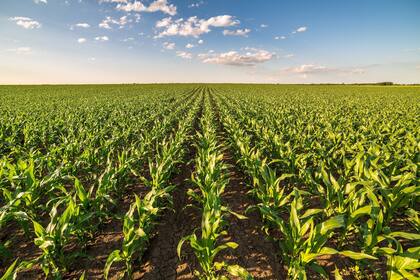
(209, 182)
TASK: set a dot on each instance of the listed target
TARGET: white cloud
(26, 22)
(108, 21)
(250, 58)
(300, 29)
(193, 26)
(222, 21)
(169, 45)
(196, 5)
(81, 40)
(21, 50)
(82, 25)
(189, 46)
(41, 1)
(238, 32)
(306, 69)
(155, 6)
(102, 38)
(165, 22)
(185, 55)
(280, 37)
(113, 1)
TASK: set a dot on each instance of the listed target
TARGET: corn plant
(136, 227)
(210, 177)
(53, 238)
(139, 220)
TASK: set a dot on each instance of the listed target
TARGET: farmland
(215, 181)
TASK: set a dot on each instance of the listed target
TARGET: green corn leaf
(406, 235)
(311, 212)
(356, 255)
(330, 224)
(38, 229)
(366, 210)
(113, 257)
(337, 274)
(238, 271)
(10, 273)
(81, 193)
(180, 243)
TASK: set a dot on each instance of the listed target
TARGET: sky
(238, 41)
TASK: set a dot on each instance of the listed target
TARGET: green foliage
(333, 171)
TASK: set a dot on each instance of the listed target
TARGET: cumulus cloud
(81, 40)
(306, 69)
(156, 6)
(108, 21)
(185, 55)
(300, 29)
(249, 58)
(26, 22)
(238, 32)
(193, 26)
(21, 50)
(169, 45)
(102, 38)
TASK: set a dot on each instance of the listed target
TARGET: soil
(258, 255)
(255, 252)
(161, 260)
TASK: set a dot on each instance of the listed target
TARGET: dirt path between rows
(255, 252)
(161, 260)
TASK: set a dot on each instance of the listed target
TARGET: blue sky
(270, 41)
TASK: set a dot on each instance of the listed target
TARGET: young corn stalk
(53, 238)
(136, 228)
(140, 218)
(210, 176)
(302, 238)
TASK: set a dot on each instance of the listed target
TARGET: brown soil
(161, 260)
(255, 253)
(108, 240)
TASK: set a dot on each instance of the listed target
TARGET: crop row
(317, 189)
